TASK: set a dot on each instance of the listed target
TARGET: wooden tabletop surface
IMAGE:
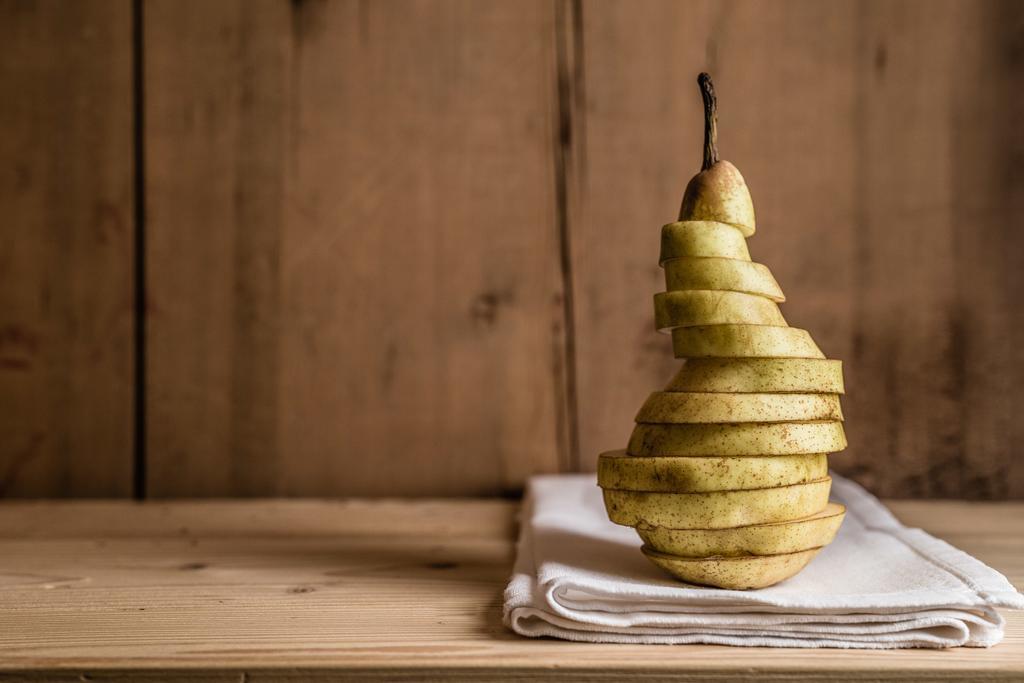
(395, 590)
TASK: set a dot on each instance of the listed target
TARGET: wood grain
(354, 252)
(66, 249)
(876, 143)
(121, 591)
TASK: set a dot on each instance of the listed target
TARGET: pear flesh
(702, 474)
(702, 239)
(716, 509)
(676, 407)
(743, 341)
(760, 375)
(744, 438)
(774, 538)
(709, 307)
(733, 573)
(726, 274)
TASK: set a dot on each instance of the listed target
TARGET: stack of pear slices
(726, 475)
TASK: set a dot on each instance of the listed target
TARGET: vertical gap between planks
(139, 254)
(569, 78)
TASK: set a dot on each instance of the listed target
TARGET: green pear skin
(701, 474)
(702, 239)
(716, 509)
(774, 538)
(743, 341)
(760, 375)
(675, 407)
(745, 438)
(728, 274)
(719, 194)
(733, 573)
(711, 307)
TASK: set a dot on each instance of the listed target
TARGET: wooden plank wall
(66, 244)
(354, 257)
(409, 248)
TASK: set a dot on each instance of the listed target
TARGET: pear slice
(745, 438)
(722, 273)
(711, 307)
(616, 470)
(743, 341)
(719, 193)
(676, 407)
(734, 573)
(774, 538)
(702, 239)
(716, 509)
(759, 375)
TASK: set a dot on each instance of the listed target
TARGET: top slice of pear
(719, 194)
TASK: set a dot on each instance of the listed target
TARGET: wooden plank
(224, 598)
(66, 295)
(354, 253)
(879, 141)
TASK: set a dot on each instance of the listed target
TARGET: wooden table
(397, 590)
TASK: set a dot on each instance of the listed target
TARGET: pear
(743, 341)
(701, 474)
(733, 573)
(721, 274)
(702, 239)
(756, 375)
(718, 192)
(745, 438)
(725, 476)
(774, 538)
(716, 509)
(710, 307)
(668, 407)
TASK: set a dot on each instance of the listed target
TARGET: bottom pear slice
(735, 573)
(777, 538)
(717, 509)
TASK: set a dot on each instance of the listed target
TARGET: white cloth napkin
(878, 585)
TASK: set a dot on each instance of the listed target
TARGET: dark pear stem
(707, 91)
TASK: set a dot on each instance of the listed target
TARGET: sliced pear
(702, 238)
(675, 407)
(774, 538)
(616, 470)
(716, 509)
(757, 375)
(750, 438)
(719, 194)
(710, 307)
(734, 573)
(722, 273)
(743, 341)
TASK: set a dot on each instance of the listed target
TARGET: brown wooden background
(409, 248)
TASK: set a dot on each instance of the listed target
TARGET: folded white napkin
(878, 585)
